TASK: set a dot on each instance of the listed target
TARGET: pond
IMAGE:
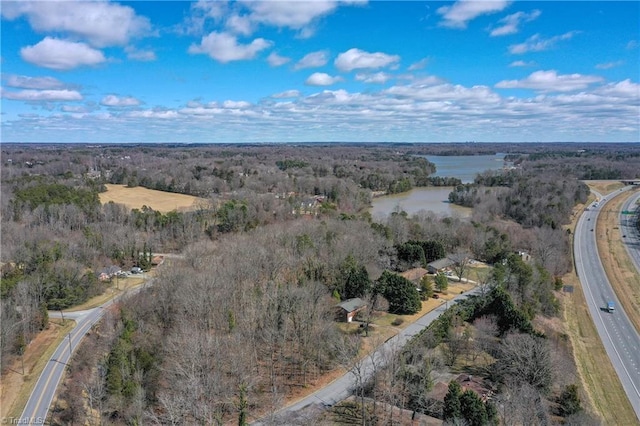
(433, 198)
(436, 199)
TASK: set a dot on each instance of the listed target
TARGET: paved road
(342, 387)
(618, 335)
(631, 234)
(35, 412)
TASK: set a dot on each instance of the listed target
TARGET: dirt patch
(16, 386)
(135, 198)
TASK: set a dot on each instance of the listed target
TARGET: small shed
(440, 265)
(348, 309)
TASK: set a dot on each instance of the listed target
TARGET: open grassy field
(604, 186)
(135, 198)
(599, 380)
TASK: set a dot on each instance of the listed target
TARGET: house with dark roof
(440, 265)
(348, 309)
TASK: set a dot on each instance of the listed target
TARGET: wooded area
(282, 234)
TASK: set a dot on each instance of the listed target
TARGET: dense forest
(261, 272)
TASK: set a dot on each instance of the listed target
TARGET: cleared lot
(135, 198)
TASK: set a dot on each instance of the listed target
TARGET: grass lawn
(117, 286)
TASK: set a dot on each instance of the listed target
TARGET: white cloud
(101, 23)
(535, 43)
(444, 92)
(161, 114)
(236, 104)
(358, 59)
(321, 79)
(140, 55)
(75, 109)
(296, 15)
(379, 77)
(43, 95)
(550, 81)
(312, 60)
(116, 101)
(633, 44)
(276, 60)
(511, 23)
(40, 83)
(240, 24)
(61, 55)
(622, 89)
(609, 65)
(287, 94)
(522, 64)
(224, 47)
(419, 65)
(458, 15)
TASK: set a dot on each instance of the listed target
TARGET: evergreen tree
(353, 279)
(473, 409)
(402, 295)
(452, 409)
(569, 401)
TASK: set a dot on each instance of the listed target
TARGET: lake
(465, 167)
(436, 199)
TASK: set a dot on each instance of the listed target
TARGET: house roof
(351, 305)
(441, 263)
(110, 270)
(414, 274)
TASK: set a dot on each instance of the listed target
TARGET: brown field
(600, 384)
(135, 198)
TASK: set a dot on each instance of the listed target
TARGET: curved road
(35, 412)
(619, 337)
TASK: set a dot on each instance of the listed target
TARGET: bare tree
(461, 257)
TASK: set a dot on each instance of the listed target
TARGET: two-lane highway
(619, 337)
(35, 412)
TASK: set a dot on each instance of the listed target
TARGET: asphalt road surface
(618, 335)
(631, 234)
(35, 412)
(343, 387)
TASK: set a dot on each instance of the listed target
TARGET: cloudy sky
(322, 70)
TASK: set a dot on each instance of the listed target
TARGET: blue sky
(279, 71)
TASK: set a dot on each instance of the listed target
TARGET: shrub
(397, 321)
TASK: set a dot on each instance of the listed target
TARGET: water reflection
(435, 199)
